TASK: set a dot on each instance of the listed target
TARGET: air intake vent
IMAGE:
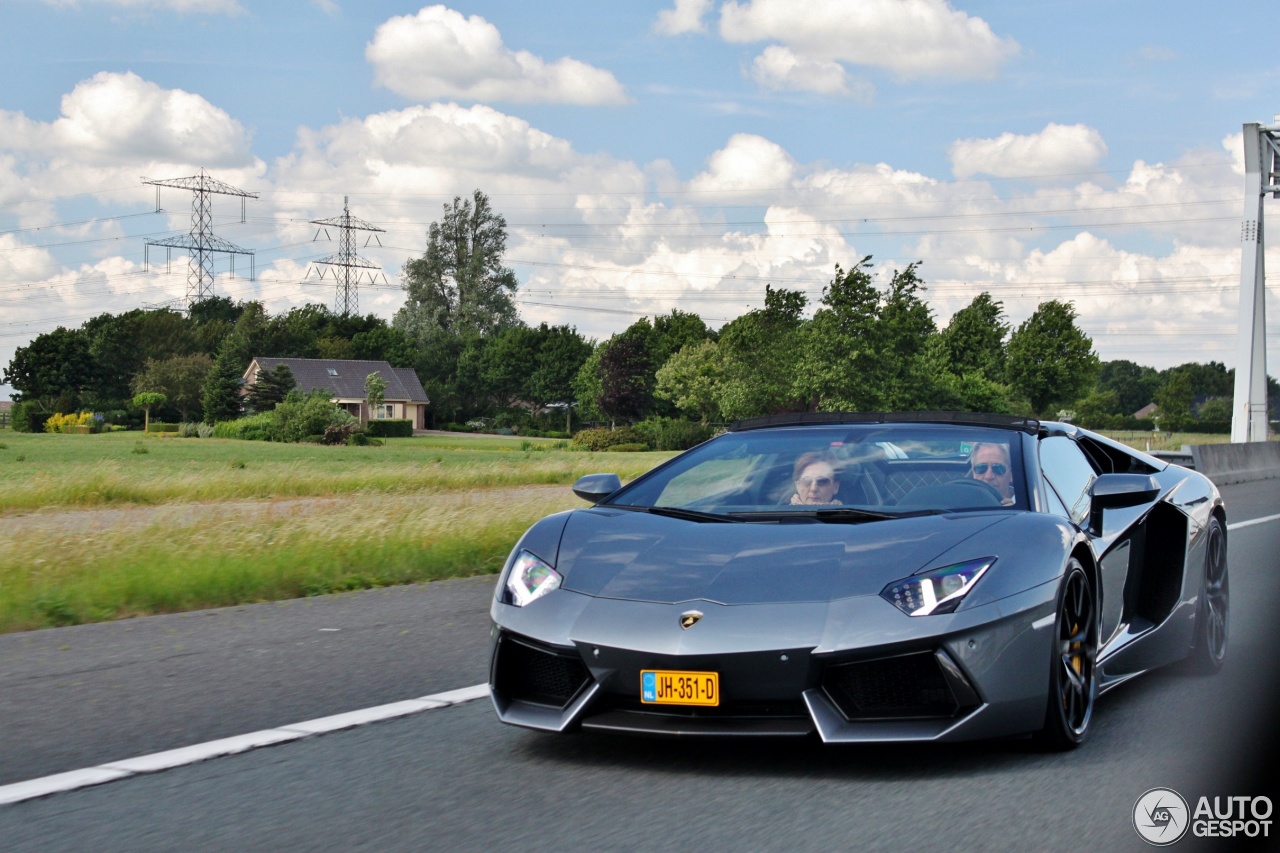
(531, 672)
(909, 686)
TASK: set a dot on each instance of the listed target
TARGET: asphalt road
(456, 779)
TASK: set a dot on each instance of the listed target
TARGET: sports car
(865, 578)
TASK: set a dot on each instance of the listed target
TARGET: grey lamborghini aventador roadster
(886, 577)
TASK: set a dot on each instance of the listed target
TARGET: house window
(385, 411)
(333, 371)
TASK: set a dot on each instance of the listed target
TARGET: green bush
(157, 426)
(390, 428)
(299, 416)
(27, 417)
(634, 447)
(259, 427)
(673, 433)
(602, 438)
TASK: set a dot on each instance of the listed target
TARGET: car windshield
(839, 473)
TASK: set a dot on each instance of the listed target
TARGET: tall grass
(109, 526)
(129, 563)
(40, 471)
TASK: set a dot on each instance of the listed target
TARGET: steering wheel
(979, 490)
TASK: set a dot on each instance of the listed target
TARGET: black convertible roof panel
(1012, 422)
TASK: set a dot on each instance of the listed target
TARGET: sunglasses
(820, 482)
(981, 468)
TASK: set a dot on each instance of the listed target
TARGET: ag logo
(1160, 816)
(689, 618)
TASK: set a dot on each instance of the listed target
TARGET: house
(6, 417)
(1146, 411)
(344, 379)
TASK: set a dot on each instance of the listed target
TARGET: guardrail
(1225, 464)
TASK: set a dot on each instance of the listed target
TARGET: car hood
(636, 556)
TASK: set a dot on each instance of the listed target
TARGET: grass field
(40, 471)
(91, 529)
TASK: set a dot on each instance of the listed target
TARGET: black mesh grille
(535, 674)
(906, 686)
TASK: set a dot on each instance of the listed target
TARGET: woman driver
(815, 479)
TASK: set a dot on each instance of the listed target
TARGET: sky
(646, 156)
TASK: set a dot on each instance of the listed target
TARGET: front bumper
(854, 670)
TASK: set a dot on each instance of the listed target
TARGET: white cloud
(911, 38)
(1056, 150)
(686, 17)
(749, 167)
(113, 129)
(212, 7)
(780, 68)
(438, 53)
(121, 118)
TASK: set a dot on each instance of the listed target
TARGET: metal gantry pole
(347, 264)
(1249, 411)
(201, 242)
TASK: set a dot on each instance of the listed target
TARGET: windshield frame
(868, 452)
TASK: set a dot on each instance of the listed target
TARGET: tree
(507, 361)
(460, 281)
(1049, 359)
(1173, 402)
(1134, 385)
(1207, 380)
(974, 339)
(760, 352)
(691, 379)
(904, 328)
(54, 364)
(561, 355)
(179, 378)
(220, 395)
(626, 378)
(383, 343)
(147, 400)
(211, 320)
(1216, 409)
(375, 392)
(674, 331)
(270, 388)
(841, 346)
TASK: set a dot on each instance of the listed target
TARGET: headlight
(530, 579)
(936, 590)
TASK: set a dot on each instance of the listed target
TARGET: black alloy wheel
(1211, 615)
(1072, 682)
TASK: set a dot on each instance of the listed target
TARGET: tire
(1209, 647)
(1073, 685)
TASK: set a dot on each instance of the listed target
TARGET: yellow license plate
(670, 687)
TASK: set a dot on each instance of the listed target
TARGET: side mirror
(1114, 491)
(596, 487)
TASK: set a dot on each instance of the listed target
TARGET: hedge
(159, 426)
(390, 428)
(602, 438)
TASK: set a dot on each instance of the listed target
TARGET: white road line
(157, 761)
(1252, 522)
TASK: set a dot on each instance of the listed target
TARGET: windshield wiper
(850, 514)
(842, 515)
(686, 514)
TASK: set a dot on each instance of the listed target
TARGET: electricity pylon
(1261, 173)
(346, 265)
(201, 242)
